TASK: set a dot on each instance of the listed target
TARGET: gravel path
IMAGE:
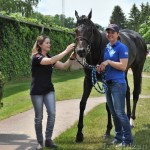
(17, 132)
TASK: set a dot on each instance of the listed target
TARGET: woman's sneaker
(50, 143)
(124, 145)
(115, 142)
(39, 147)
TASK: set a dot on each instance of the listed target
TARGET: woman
(115, 63)
(42, 90)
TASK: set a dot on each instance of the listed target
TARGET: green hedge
(1, 88)
(16, 42)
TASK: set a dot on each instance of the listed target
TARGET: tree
(24, 7)
(118, 17)
(145, 30)
(99, 27)
(57, 20)
(54, 20)
(69, 22)
(134, 21)
(43, 19)
(145, 13)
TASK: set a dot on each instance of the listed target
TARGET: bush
(1, 88)
(16, 42)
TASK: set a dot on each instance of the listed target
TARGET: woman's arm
(122, 65)
(66, 65)
(63, 66)
(54, 59)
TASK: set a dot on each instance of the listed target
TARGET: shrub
(1, 88)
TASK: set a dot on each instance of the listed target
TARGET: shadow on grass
(20, 85)
(89, 143)
(142, 138)
(147, 126)
(15, 88)
(16, 142)
(61, 76)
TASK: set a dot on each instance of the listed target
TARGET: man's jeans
(115, 96)
(38, 102)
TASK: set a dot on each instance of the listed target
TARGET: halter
(92, 67)
(84, 63)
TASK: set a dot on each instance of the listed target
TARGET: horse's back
(136, 45)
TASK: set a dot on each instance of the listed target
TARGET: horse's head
(84, 34)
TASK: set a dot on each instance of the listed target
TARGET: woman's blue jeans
(115, 96)
(38, 101)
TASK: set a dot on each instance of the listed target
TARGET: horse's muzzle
(81, 52)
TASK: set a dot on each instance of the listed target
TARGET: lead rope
(101, 90)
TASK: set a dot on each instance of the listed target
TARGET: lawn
(16, 93)
(68, 85)
(94, 128)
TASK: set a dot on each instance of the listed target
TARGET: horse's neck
(104, 40)
(98, 46)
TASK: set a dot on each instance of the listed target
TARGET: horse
(90, 45)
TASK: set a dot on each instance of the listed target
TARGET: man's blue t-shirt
(115, 53)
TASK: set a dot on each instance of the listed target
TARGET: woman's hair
(36, 48)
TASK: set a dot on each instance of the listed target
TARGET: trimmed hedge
(16, 42)
(1, 88)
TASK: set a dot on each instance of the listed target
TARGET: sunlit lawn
(95, 126)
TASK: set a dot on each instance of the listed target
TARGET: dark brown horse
(90, 44)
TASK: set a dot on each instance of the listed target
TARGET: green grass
(68, 85)
(145, 88)
(95, 126)
(16, 98)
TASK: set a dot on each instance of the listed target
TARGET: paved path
(17, 132)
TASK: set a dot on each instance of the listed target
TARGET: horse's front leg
(86, 93)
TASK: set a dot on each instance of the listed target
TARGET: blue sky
(101, 9)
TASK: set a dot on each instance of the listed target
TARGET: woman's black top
(41, 76)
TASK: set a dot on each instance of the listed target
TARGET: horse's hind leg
(86, 93)
(128, 106)
(137, 76)
(109, 123)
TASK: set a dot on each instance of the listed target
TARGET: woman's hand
(105, 63)
(70, 47)
(72, 56)
(100, 68)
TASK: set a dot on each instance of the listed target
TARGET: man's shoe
(50, 143)
(39, 146)
(124, 145)
(115, 142)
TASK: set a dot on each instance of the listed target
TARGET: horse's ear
(90, 15)
(76, 14)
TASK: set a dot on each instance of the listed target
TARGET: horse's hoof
(132, 123)
(79, 138)
(106, 136)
